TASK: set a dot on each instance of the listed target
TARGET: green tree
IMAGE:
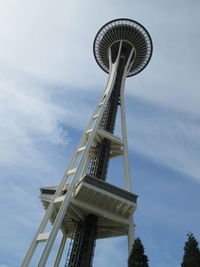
(137, 258)
(191, 257)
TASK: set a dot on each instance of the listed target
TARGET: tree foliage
(137, 257)
(191, 257)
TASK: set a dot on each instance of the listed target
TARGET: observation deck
(130, 32)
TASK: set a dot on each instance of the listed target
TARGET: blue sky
(50, 84)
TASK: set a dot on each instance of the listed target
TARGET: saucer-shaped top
(126, 30)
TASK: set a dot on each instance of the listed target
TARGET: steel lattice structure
(88, 208)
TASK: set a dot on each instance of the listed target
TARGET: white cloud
(166, 136)
(27, 116)
(54, 42)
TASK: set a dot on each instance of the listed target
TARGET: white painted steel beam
(43, 237)
(99, 211)
(111, 137)
(131, 231)
(60, 251)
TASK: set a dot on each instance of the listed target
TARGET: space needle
(84, 207)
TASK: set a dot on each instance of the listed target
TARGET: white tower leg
(127, 180)
(60, 250)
